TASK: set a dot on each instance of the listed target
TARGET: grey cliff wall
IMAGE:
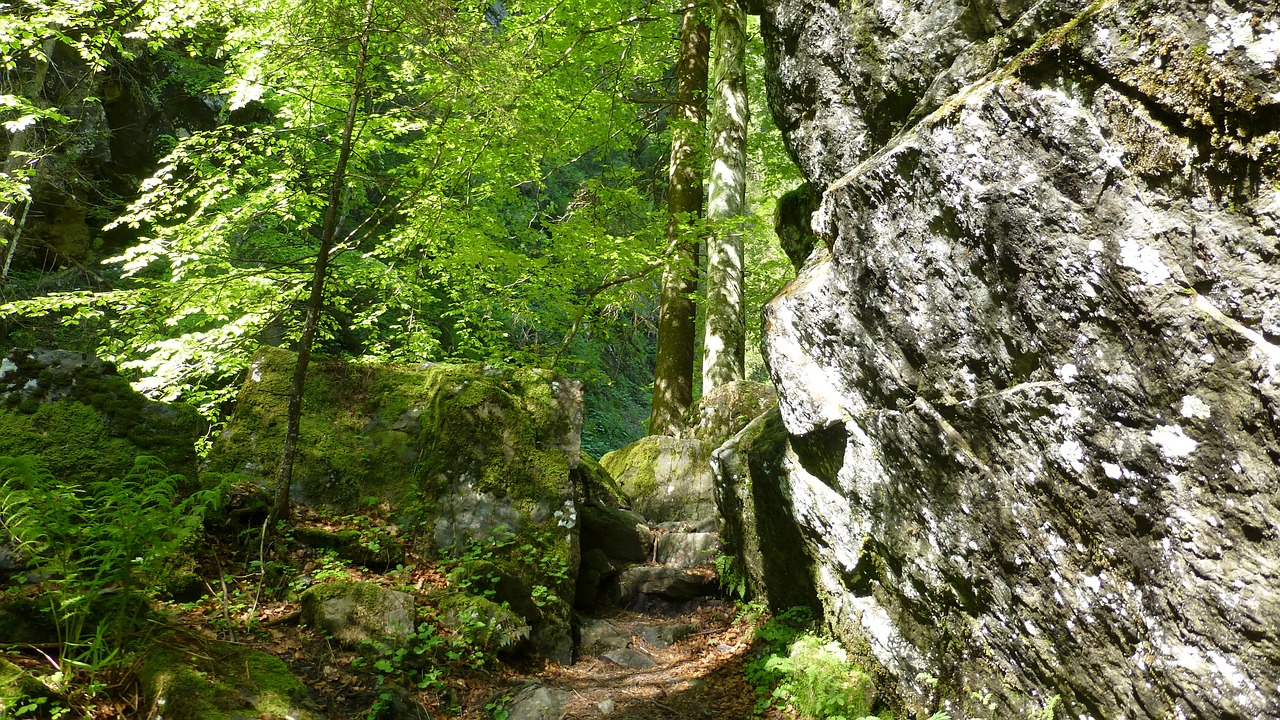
(1032, 381)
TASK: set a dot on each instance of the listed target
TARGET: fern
(96, 546)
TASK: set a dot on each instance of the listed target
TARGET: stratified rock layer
(1030, 382)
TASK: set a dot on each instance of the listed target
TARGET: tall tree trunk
(677, 330)
(315, 303)
(725, 340)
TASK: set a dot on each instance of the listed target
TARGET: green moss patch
(219, 681)
(85, 422)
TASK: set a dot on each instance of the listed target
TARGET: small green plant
(497, 708)
(819, 681)
(732, 580)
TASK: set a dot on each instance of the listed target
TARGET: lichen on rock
(1047, 225)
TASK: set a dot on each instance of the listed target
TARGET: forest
(545, 359)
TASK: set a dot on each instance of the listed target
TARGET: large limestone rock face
(1031, 380)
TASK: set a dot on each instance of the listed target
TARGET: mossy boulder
(595, 484)
(220, 681)
(358, 612)
(723, 411)
(664, 478)
(470, 456)
(84, 421)
(490, 626)
(413, 435)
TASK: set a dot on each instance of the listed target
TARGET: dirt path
(699, 676)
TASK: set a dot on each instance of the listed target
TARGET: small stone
(629, 658)
(606, 707)
(601, 636)
(663, 636)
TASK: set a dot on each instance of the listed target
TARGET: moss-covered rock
(357, 612)
(490, 626)
(353, 546)
(720, 413)
(664, 478)
(84, 421)
(219, 681)
(19, 690)
(409, 434)
(595, 484)
(471, 456)
(23, 617)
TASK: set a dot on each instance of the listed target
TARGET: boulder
(358, 612)
(623, 536)
(686, 549)
(758, 526)
(86, 423)
(647, 587)
(475, 460)
(1030, 379)
(490, 626)
(220, 681)
(724, 410)
(664, 478)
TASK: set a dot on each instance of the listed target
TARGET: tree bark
(677, 330)
(724, 342)
(315, 302)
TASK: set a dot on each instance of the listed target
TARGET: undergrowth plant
(96, 546)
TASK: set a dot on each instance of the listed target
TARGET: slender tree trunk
(315, 303)
(725, 341)
(677, 330)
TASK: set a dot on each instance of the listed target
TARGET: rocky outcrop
(476, 461)
(1030, 377)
